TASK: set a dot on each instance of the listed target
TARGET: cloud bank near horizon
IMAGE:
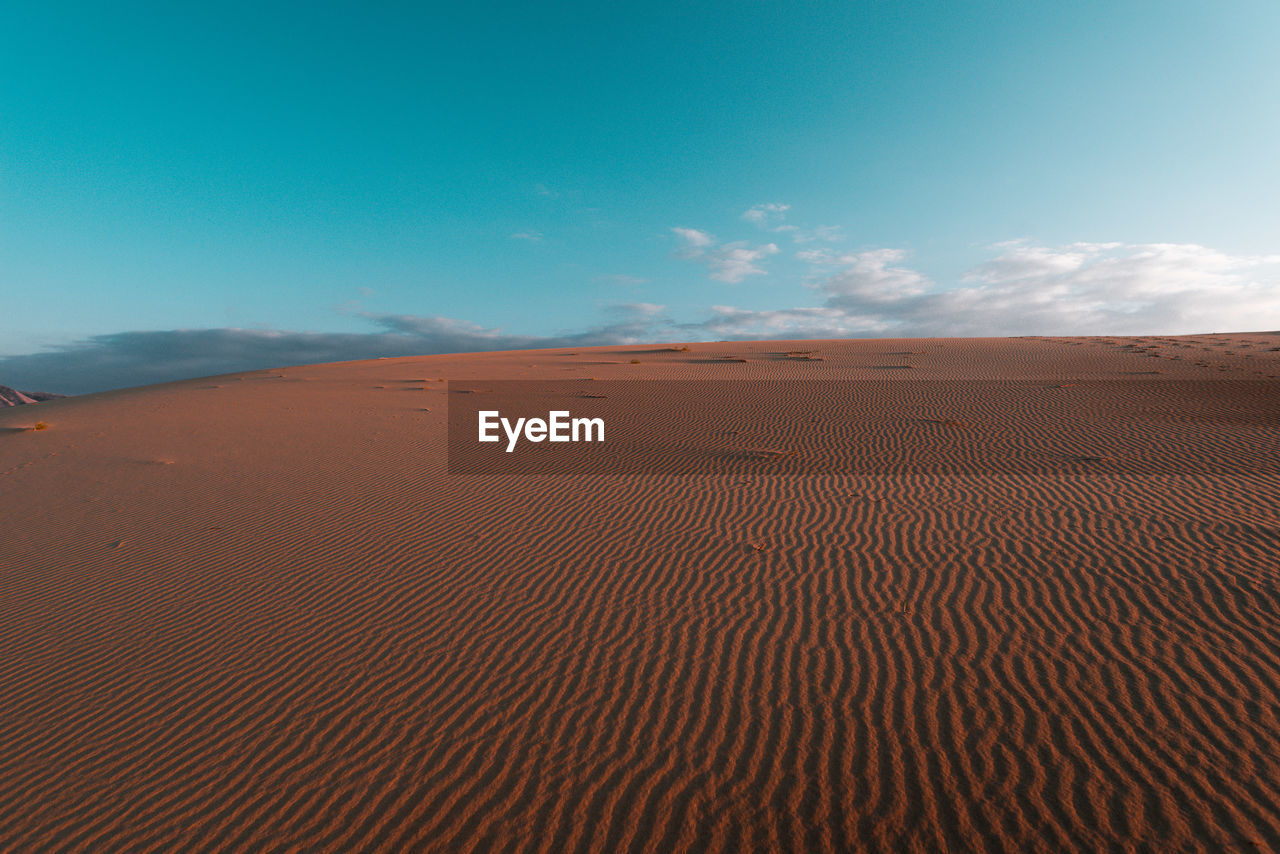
(1024, 289)
(124, 359)
(1028, 289)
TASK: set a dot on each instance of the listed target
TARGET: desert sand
(255, 612)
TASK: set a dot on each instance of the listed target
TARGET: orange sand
(254, 613)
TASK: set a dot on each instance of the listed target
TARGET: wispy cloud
(531, 236)
(729, 322)
(694, 240)
(874, 278)
(766, 215)
(632, 319)
(867, 293)
(728, 262)
(620, 279)
(770, 217)
(827, 233)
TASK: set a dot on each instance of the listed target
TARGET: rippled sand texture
(254, 613)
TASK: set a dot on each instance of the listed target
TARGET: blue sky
(186, 190)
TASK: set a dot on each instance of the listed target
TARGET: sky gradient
(186, 191)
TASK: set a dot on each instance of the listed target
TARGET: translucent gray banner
(899, 425)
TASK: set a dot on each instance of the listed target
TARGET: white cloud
(767, 214)
(1117, 288)
(770, 218)
(728, 262)
(822, 257)
(826, 233)
(733, 262)
(817, 322)
(694, 240)
(870, 278)
(637, 312)
(531, 236)
(1030, 289)
(1021, 259)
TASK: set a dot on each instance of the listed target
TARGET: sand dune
(1041, 612)
(13, 397)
